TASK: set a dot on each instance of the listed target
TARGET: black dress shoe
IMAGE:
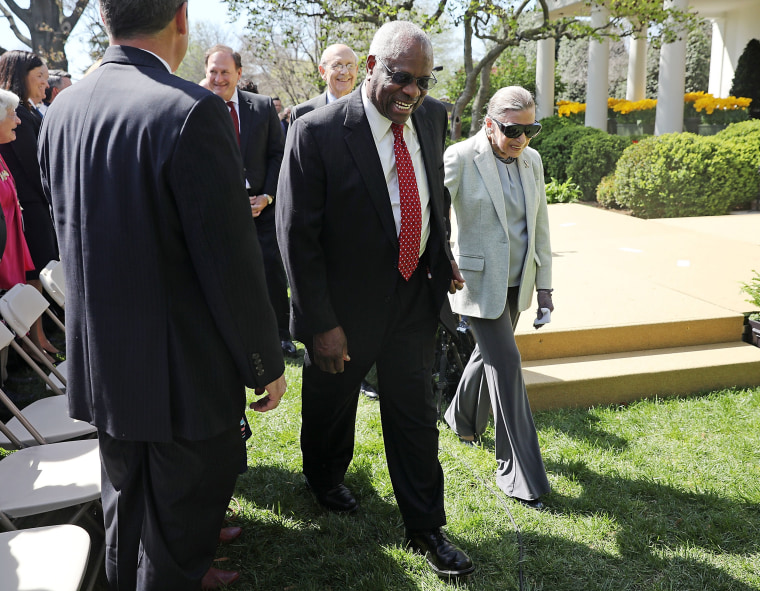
(339, 499)
(533, 504)
(446, 560)
(289, 348)
(369, 391)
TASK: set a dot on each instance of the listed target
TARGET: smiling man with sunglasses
(361, 223)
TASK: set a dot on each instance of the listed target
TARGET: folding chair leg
(25, 356)
(45, 360)
(7, 523)
(99, 561)
(21, 419)
(55, 319)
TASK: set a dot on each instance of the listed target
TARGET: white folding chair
(44, 478)
(54, 283)
(20, 307)
(44, 421)
(52, 558)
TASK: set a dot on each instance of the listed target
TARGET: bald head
(338, 68)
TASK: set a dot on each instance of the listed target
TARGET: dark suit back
(167, 315)
(346, 225)
(308, 106)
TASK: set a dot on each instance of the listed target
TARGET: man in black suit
(261, 142)
(167, 315)
(338, 67)
(361, 221)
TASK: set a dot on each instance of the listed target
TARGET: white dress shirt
(381, 131)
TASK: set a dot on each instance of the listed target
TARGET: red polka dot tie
(411, 214)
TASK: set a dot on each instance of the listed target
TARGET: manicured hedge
(682, 174)
(557, 147)
(592, 158)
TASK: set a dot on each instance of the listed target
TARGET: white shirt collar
(162, 60)
(379, 124)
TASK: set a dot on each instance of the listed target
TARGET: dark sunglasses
(405, 78)
(514, 130)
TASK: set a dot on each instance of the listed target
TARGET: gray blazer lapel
(485, 162)
(361, 144)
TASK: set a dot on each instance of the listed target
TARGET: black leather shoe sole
(338, 500)
(442, 572)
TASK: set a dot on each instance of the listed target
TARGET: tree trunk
(479, 104)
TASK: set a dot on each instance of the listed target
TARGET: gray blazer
(481, 248)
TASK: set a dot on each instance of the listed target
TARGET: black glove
(545, 299)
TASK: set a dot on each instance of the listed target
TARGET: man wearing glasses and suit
(338, 68)
(361, 222)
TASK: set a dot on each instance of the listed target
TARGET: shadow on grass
(559, 564)
(291, 542)
(652, 515)
(580, 425)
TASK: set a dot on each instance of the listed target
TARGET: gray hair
(392, 39)
(8, 102)
(509, 98)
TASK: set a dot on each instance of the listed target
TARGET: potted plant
(753, 290)
(635, 117)
(691, 118)
(719, 113)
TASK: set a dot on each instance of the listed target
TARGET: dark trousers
(274, 270)
(403, 349)
(163, 506)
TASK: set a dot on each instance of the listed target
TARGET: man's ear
(181, 18)
(322, 72)
(370, 63)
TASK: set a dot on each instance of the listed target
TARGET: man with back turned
(167, 313)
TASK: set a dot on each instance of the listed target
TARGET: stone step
(599, 340)
(618, 378)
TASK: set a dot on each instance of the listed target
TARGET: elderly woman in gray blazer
(502, 248)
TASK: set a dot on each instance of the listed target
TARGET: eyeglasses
(513, 130)
(405, 78)
(341, 67)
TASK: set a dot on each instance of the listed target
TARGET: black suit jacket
(167, 312)
(261, 142)
(308, 106)
(335, 223)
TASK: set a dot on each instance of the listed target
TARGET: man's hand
(275, 390)
(331, 350)
(457, 281)
(258, 203)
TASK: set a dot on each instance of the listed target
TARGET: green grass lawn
(658, 495)
(662, 494)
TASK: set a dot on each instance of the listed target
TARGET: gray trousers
(494, 373)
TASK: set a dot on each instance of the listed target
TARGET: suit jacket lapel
(485, 162)
(530, 192)
(426, 135)
(358, 136)
(246, 121)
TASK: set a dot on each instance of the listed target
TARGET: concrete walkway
(642, 308)
(611, 269)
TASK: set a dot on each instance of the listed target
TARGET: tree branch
(14, 28)
(25, 14)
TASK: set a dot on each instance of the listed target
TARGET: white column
(598, 73)
(672, 81)
(720, 63)
(637, 67)
(545, 78)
